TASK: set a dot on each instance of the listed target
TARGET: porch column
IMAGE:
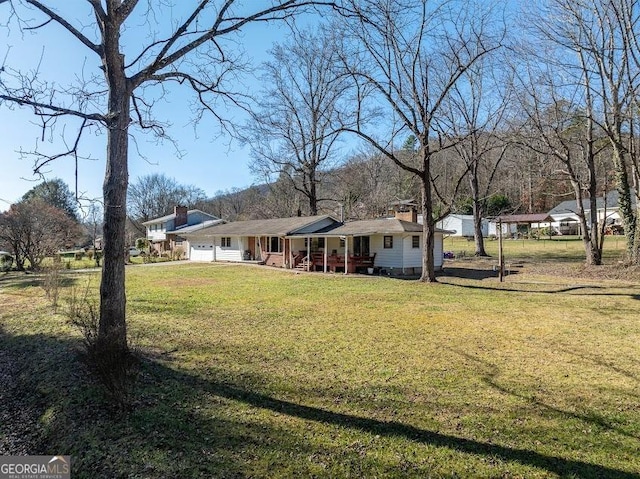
(290, 254)
(308, 253)
(403, 238)
(284, 253)
(346, 254)
(326, 243)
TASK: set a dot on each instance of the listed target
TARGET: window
(274, 244)
(361, 245)
(415, 241)
(388, 242)
(341, 242)
(226, 242)
(315, 243)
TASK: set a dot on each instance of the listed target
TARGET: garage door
(201, 252)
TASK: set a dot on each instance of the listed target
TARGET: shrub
(177, 253)
(115, 367)
(6, 262)
(52, 282)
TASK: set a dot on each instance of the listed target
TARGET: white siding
(157, 232)
(387, 257)
(412, 257)
(403, 255)
(462, 225)
(438, 253)
(233, 253)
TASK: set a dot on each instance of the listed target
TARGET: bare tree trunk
(428, 228)
(477, 212)
(590, 254)
(112, 331)
(624, 198)
(313, 194)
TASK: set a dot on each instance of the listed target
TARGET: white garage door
(201, 252)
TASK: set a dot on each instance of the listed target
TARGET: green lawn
(257, 372)
(558, 248)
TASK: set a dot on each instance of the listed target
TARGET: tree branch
(70, 28)
(55, 109)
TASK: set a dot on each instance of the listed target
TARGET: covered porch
(335, 254)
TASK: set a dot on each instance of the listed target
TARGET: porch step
(302, 266)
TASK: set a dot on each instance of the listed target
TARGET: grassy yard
(558, 248)
(257, 372)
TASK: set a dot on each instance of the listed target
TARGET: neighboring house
(453, 224)
(318, 243)
(166, 233)
(567, 222)
(462, 225)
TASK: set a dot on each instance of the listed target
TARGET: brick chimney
(406, 211)
(181, 216)
(410, 215)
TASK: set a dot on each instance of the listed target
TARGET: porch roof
(525, 219)
(268, 227)
(376, 226)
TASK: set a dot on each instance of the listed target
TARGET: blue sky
(209, 161)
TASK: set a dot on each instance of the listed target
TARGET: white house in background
(317, 243)
(462, 225)
(166, 233)
(566, 220)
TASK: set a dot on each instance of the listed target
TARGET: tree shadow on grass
(491, 372)
(165, 433)
(589, 290)
(468, 273)
(599, 360)
(24, 280)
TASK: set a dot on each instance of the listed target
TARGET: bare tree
(294, 132)
(601, 33)
(191, 50)
(236, 204)
(478, 109)
(412, 54)
(368, 183)
(558, 130)
(155, 195)
(35, 230)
